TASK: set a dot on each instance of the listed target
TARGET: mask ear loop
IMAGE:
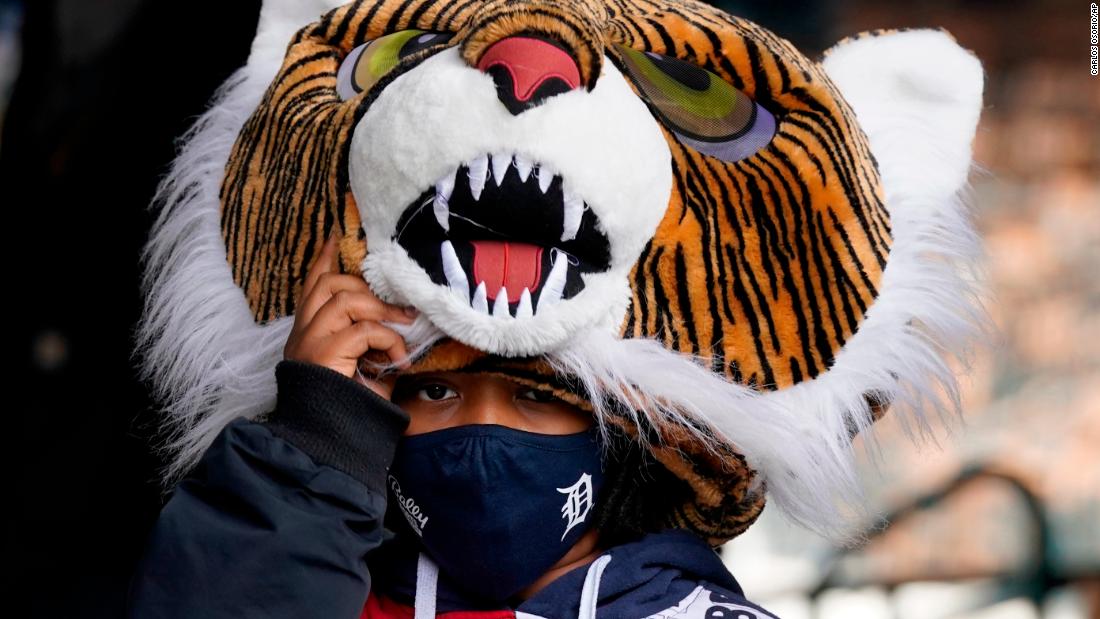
(427, 579)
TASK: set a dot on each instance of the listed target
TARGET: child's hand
(337, 322)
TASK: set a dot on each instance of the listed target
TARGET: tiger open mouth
(506, 234)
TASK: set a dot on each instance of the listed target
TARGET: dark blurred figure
(808, 24)
(104, 89)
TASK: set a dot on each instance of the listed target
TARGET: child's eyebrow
(410, 381)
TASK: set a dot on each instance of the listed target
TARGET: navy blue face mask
(496, 507)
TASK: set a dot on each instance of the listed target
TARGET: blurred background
(994, 518)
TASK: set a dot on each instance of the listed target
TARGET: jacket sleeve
(277, 517)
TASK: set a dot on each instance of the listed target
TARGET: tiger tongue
(514, 266)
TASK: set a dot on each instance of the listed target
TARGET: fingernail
(411, 312)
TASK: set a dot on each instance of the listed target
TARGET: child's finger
(347, 307)
(326, 288)
(325, 263)
(366, 336)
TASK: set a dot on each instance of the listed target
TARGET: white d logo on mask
(578, 502)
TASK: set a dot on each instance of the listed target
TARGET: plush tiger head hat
(734, 256)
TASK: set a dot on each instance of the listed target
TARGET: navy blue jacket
(278, 517)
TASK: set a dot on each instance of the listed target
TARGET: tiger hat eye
(368, 63)
(705, 112)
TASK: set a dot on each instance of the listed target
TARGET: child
(495, 483)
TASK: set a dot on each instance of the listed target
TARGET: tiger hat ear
(917, 95)
(279, 20)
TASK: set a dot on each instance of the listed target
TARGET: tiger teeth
(524, 309)
(444, 187)
(554, 288)
(500, 165)
(500, 304)
(523, 166)
(442, 212)
(480, 302)
(545, 178)
(478, 173)
(443, 190)
(572, 211)
(455, 274)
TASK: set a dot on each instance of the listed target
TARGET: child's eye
(538, 395)
(435, 393)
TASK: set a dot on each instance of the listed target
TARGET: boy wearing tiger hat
(729, 257)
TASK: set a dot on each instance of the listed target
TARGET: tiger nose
(528, 70)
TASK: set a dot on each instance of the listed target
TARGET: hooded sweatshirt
(285, 518)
